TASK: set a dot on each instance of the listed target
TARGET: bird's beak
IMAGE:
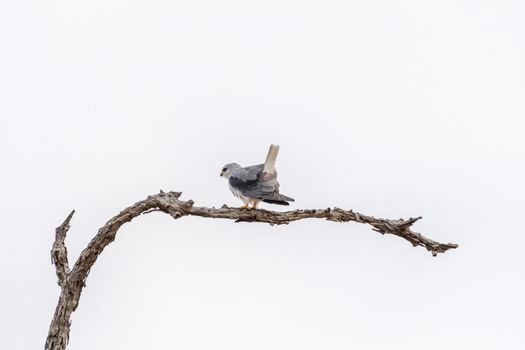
(220, 174)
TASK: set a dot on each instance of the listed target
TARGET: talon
(245, 206)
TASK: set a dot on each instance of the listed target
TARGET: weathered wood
(72, 282)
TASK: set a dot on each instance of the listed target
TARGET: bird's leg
(254, 204)
(244, 206)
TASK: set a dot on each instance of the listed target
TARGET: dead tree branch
(72, 282)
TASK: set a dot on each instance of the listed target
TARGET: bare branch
(72, 282)
(59, 251)
(400, 228)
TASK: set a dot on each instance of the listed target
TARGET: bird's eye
(224, 169)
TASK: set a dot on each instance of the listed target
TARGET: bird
(256, 183)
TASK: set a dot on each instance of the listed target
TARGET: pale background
(393, 109)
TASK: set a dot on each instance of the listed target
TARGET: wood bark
(73, 281)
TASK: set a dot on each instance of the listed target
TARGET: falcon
(256, 183)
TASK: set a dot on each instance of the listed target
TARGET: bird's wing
(249, 173)
(253, 182)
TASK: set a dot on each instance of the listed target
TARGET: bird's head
(228, 169)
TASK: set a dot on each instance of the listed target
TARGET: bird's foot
(245, 206)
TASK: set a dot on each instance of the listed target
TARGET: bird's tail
(269, 164)
(278, 198)
(276, 201)
(286, 198)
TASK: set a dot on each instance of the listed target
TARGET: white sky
(393, 109)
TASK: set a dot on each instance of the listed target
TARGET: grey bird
(256, 183)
